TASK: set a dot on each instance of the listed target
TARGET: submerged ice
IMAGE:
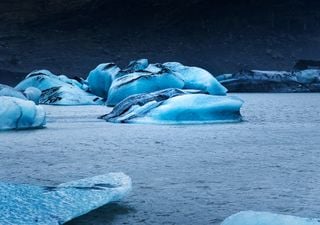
(266, 218)
(24, 204)
(174, 106)
(16, 113)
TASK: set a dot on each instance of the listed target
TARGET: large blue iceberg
(266, 218)
(17, 113)
(58, 90)
(176, 106)
(33, 205)
(142, 82)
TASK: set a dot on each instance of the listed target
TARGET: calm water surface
(181, 174)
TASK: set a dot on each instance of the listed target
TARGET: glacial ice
(134, 66)
(58, 90)
(266, 218)
(16, 113)
(142, 82)
(176, 106)
(35, 205)
(6, 90)
(197, 78)
(100, 79)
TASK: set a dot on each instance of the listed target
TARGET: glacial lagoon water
(182, 174)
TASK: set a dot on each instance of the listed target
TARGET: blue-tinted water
(181, 174)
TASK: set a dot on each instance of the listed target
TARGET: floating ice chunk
(266, 218)
(100, 79)
(58, 90)
(308, 76)
(175, 106)
(6, 90)
(33, 205)
(134, 66)
(33, 94)
(142, 82)
(197, 78)
(16, 113)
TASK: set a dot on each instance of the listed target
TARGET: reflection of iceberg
(29, 205)
(175, 106)
(58, 90)
(265, 218)
(16, 113)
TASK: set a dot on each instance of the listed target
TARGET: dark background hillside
(72, 37)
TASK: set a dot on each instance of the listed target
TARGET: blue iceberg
(58, 90)
(197, 78)
(30, 93)
(16, 113)
(266, 218)
(142, 82)
(134, 66)
(24, 204)
(176, 106)
(99, 80)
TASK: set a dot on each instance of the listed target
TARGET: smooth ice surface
(100, 79)
(6, 90)
(31, 205)
(197, 78)
(266, 218)
(58, 90)
(142, 82)
(181, 174)
(16, 113)
(176, 106)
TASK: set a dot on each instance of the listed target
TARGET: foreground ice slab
(272, 81)
(266, 218)
(142, 82)
(16, 113)
(175, 106)
(197, 78)
(33, 205)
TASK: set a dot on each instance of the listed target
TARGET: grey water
(182, 174)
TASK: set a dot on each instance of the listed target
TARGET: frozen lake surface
(196, 174)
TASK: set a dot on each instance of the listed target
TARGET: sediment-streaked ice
(266, 218)
(16, 113)
(175, 106)
(34, 205)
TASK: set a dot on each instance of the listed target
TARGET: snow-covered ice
(39, 205)
(58, 90)
(16, 113)
(175, 106)
(266, 218)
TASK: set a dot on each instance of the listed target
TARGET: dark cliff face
(72, 37)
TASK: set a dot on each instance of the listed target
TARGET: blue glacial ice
(16, 113)
(266, 218)
(35, 205)
(58, 90)
(134, 66)
(142, 82)
(30, 93)
(176, 106)
(99, 80)
(197, 78)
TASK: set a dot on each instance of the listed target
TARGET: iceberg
(142, 82)
(58, 90)
(30, 93)
(16, 113)
(197, 78)
(266, 218)
(176, 106)
(134, 66)
(99, 80)
(35, 205)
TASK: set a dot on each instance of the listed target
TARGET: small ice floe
(266, 218)
(35, 205)
(58, 90)
(17, 113)
(176, 106)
